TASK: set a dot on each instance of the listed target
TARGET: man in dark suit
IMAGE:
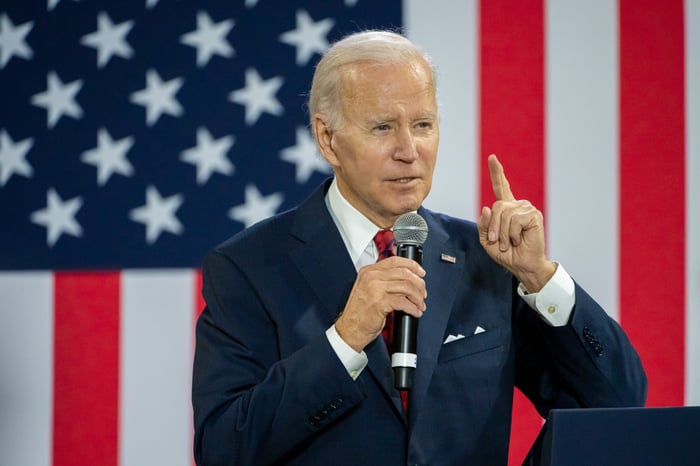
(290, 365)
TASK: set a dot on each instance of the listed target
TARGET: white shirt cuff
(353, 361)
(555, 301)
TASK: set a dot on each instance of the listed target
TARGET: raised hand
(512, 233)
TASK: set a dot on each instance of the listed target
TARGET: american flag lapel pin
(447, 258)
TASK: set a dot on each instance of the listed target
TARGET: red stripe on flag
(198, 308)
(512, 126)
(652, 191)
(512, 96)
(199, 299)
(86, 369)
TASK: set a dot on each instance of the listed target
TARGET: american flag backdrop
(136, 135)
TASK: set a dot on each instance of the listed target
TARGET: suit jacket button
(314, 420)
(337, 403)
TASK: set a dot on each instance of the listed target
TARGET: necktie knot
(384, 239)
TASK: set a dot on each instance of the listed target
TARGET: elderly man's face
(385, 151)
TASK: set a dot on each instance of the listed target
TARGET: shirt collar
(355, 229)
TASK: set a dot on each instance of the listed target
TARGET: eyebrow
(428, 116)
(388, 119)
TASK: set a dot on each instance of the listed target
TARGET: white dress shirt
(553, 302)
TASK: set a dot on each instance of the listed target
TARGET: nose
(406, 150)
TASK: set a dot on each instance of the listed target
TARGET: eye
(382, 127)
(424, 124)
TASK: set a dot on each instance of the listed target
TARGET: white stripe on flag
(448, 32)
(156, 355)
(692, 170)
(582, 143)
(26, 367)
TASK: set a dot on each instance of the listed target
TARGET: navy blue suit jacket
(268, 388)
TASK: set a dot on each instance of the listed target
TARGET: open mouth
(403, 180)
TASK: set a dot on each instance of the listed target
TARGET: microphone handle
(404, 357)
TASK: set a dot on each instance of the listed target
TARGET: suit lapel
(380, 366)
(322, 260)
(442, 281)
(321, 256)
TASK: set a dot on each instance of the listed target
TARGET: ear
(324, 137)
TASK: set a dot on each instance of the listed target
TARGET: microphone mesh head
(410, 228)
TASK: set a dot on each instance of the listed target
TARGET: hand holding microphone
(384, 286)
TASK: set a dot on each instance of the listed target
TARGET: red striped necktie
(384, 240)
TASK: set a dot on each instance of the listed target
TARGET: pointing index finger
(499, 182)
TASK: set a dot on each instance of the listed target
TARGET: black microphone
(410, 232)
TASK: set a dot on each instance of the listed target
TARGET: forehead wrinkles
(369, 82)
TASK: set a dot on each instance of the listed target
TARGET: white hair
(382, 47)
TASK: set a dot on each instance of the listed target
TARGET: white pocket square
(479, 329)
(450, 338)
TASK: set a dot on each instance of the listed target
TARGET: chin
(403, 202)
(408, 207)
